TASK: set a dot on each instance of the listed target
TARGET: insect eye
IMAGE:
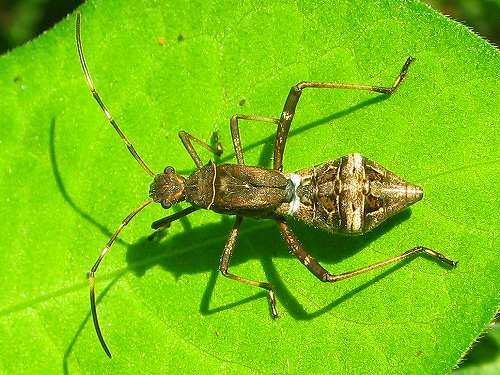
(166, 204)
(169, 170)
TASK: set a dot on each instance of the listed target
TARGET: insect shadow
(145, 253)
(198, 249)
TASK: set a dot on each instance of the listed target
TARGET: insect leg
(91, 274)
(322, 274)
(235, 131)
(165, 222)
(406, 254)
(298, 250)
(224, 264)
(186, 139)
(96, 96)
(294, 96)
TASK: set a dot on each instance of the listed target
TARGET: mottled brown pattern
(351, 195)
(253, 191)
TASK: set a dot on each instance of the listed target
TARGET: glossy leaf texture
(162, 66)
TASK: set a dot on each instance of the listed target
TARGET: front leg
(294, 96)
(186, 139)
(165, 222)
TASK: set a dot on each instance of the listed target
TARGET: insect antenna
(96, 96)
(91, 274)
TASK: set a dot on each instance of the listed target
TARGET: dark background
(22, 20)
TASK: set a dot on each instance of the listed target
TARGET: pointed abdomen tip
(414, 193)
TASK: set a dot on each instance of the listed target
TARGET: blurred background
(22, 20)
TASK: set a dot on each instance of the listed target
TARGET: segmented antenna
(91, 274)
(96, 96)
(130, 216)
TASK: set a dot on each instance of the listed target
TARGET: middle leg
(235, 131)
(224, 265)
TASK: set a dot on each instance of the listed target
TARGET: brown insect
(350, 195)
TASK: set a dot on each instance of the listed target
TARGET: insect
(350, 195)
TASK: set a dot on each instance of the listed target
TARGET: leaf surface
(67, 182)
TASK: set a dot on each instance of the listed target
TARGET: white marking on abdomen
(295, 202)
(355, 161)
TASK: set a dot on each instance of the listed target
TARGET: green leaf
(68, 181)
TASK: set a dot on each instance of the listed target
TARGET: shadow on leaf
(197, 250)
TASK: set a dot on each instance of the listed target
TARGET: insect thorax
(237, 189)
(350, 195)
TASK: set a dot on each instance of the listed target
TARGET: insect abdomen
(350, 195)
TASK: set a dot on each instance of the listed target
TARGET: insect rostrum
(350, 195)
